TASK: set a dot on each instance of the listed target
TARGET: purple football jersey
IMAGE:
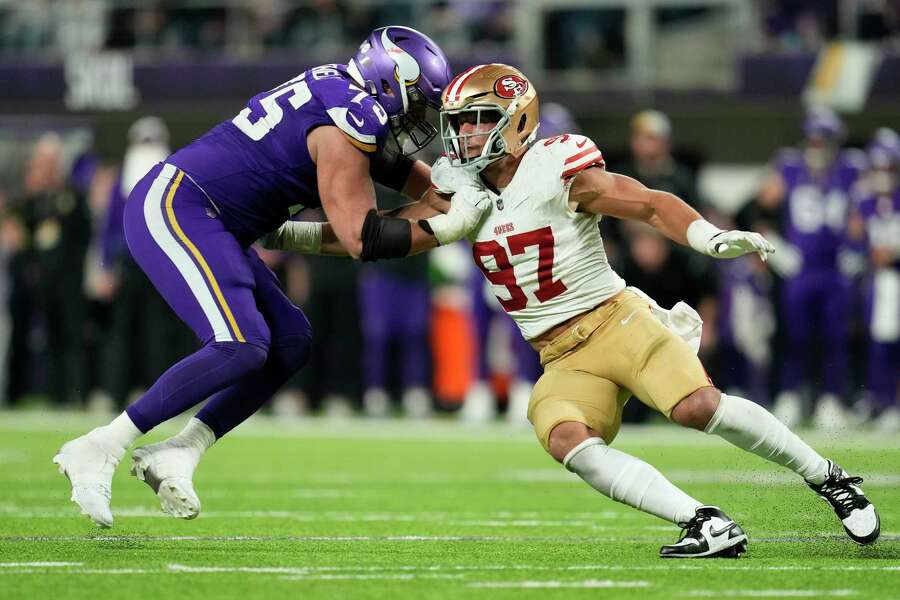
(881, 215)
(257, 165)
(816, 208)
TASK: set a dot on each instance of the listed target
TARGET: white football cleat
(843, 492)
(829, 414)
(416, 403)
(788, 409)
(888, 421)
(519, 397)
(168, 468)
(479, 405)
(709, 534)
(89, 463)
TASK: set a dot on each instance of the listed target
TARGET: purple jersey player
(877, 220)
(812, 187)
(317, 140)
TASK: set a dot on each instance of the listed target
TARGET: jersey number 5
(505, 275)
(257, 130)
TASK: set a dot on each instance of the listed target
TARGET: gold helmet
(495, 93)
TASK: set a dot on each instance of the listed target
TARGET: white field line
(11, 565)
(630, 436)
(589, 583)
(409, 538)
(770, 593)
(773, 476)
(320, 569)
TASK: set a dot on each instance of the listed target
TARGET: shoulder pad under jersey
(853, 159)
(351, 109)
(448, 179)
(551, 164)
(788, 158)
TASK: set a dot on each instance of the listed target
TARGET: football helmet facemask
(492, 93)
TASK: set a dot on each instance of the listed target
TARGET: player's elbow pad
(385, 237)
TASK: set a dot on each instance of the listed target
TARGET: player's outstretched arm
(348, 199)
(598, 191)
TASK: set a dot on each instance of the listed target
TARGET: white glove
(299, 236)
(706, 238)
(467, 208)
(731, 244)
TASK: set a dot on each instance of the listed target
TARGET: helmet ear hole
(386, 88)
(521, 126)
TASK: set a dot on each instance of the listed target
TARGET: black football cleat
(709, 534)
(857, 514)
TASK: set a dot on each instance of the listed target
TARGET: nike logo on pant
(626, 319)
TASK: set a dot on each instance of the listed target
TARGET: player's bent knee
(291, 353)
(696, 409)
(241, 357)
(566, 436)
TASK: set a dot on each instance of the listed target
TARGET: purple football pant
(394, 310)
(527, 361)
(253, 338)
(816, 309)
(883, 374)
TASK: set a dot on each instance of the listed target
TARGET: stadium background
(427, 507)
(81, 328)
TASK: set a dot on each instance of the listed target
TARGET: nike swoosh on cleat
(626, 319)
(718, 532)
(581, 145)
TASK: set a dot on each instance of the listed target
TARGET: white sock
(751, 427)
(196, 434)
(121, 431)
(629, 480)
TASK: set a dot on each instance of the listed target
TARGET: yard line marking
(588, 583)
(11, 565)
(769, 593)
(708, 476)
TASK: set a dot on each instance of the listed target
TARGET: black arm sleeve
(390, 170)
(385, 237)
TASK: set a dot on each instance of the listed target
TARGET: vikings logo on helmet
(510, 86)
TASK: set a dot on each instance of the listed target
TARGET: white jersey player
(600, 342)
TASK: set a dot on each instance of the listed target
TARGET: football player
(877, 216)
(319, 139)
(810, 188)
(601, 342)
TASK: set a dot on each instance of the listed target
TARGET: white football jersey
(545, 262)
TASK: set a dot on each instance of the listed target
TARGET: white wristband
(300, 236)
(699, 234)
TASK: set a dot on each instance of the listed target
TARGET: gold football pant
(617, 350)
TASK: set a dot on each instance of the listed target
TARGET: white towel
(683, 320)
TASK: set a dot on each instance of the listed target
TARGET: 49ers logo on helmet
(510, 86)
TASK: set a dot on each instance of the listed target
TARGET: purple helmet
(556, 120)
(884, 149)
(823, 124)
(406, 71)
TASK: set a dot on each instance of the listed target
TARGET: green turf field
(389, 509)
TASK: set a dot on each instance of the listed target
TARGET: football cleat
(89, 465)
(168, 468)
(857, 514)
(709, 534)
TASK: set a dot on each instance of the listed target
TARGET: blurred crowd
(595, 34)
(816, 332)
(328, 27)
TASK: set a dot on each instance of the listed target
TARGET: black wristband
(385, 237)
(390, 170)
